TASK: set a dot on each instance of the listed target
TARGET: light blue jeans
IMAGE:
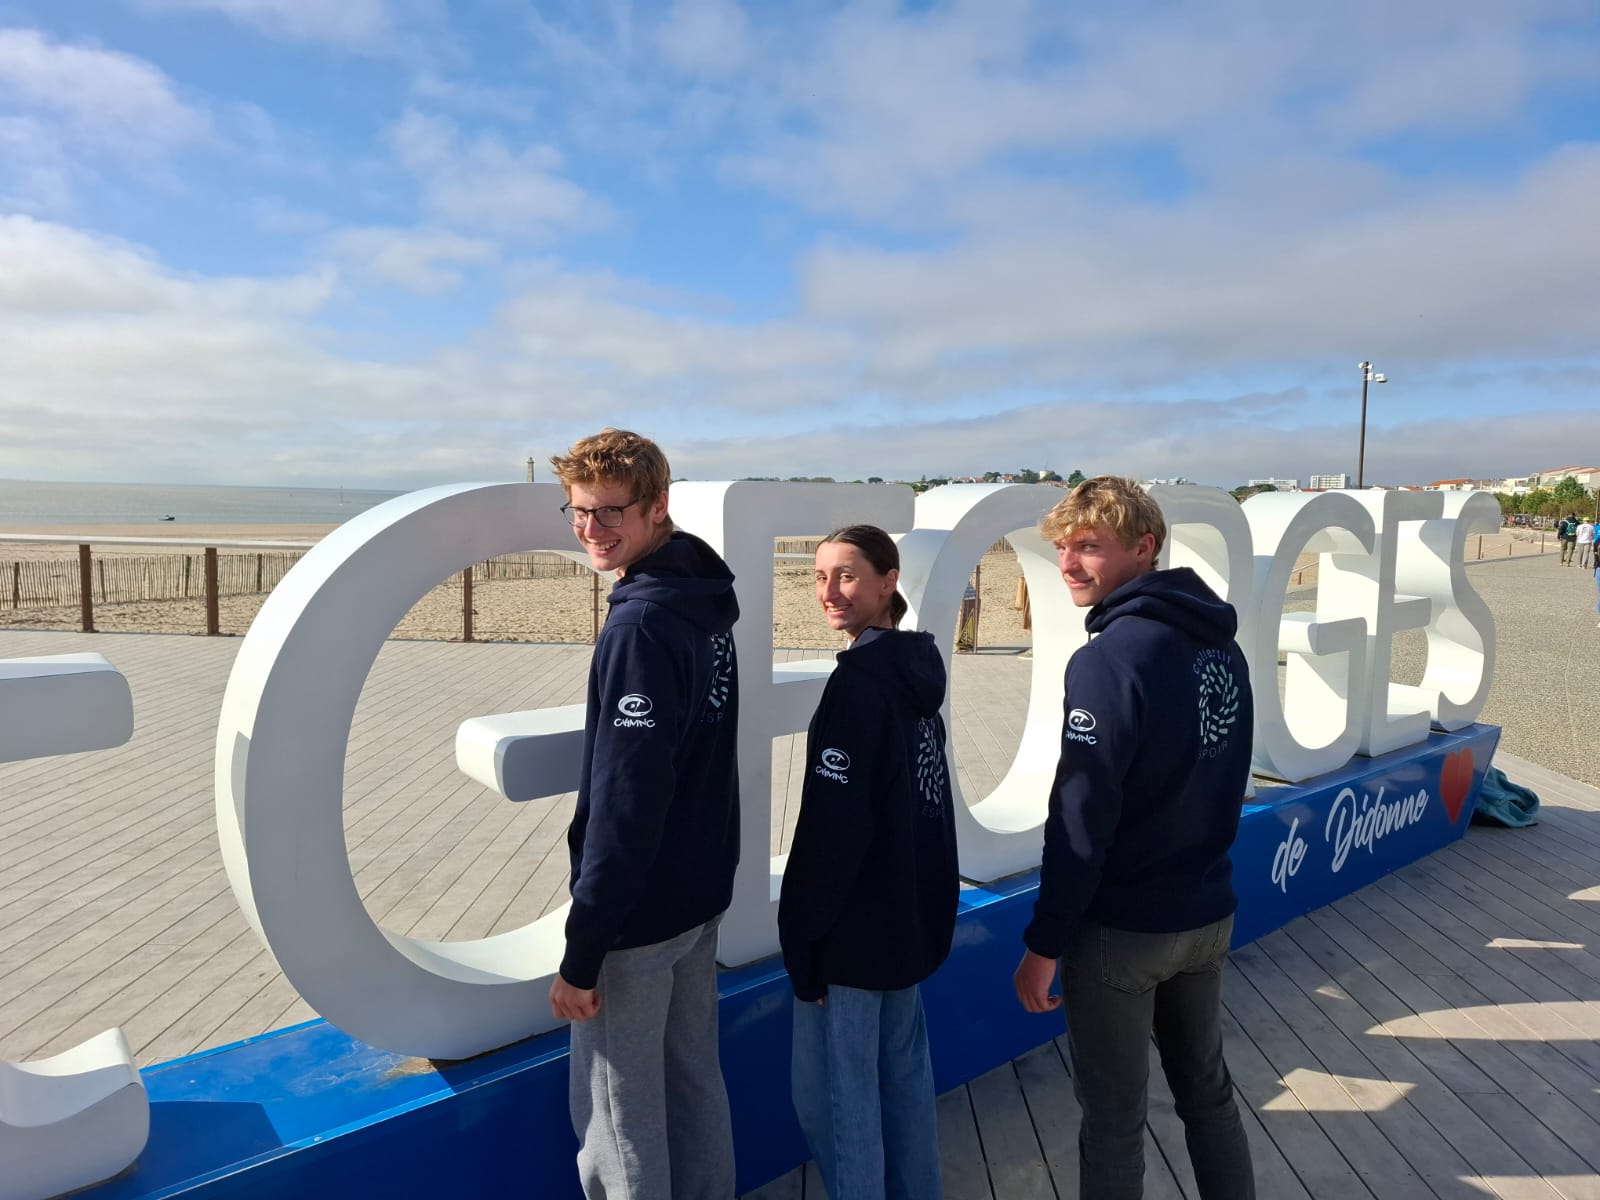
(863, 1089)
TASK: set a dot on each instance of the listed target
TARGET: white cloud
(121, 103)
(705, 37)
(117, 101)
(425, 261)
(462, 96)
(1465, 86)
(348, 23)
(483, 181)
(1448, 272)
(737, 366)
(35, 174)
(1088, 216)
(79, 111)
(49, 270)
(245, 379)
(239, 379)
(274, 214)
(879, 111)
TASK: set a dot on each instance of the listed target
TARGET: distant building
(1461, 485)
(1589, 477)
(1283, 485)
(1329, 483)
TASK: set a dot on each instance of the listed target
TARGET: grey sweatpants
(648, 1102)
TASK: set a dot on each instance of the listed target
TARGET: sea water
(24, 503)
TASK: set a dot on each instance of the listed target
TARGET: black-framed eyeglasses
(609, 515)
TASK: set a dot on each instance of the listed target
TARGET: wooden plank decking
(1437, 1034)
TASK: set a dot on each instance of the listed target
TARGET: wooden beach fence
(121, 579)
(221, 569)
(249, 568)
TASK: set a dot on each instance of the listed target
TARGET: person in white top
(1585, 543)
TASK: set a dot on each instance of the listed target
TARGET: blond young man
(1136, 897)
(654, 839)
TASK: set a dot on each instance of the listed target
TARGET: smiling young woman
(856, 585)
(869, 892)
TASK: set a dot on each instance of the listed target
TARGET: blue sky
(402, 242)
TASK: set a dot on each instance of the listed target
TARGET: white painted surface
(281, 742)
(82, 1116)
(62, 704)
(1317, 723)
(1001, 833)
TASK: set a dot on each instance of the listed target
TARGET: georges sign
(1389, 562)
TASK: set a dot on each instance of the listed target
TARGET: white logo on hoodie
(635, 709)
(833, 766)
(1079, 722)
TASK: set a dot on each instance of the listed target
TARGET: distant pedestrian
(1567, 531)
(1586, 543)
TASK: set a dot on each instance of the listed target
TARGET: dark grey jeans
(1120, 988)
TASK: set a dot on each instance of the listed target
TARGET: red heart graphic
(1455, 781)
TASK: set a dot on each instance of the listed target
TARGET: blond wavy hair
(615, 456)
(1119, 504)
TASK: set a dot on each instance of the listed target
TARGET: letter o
(1000, 834)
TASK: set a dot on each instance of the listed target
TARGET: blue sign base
(311, 1113)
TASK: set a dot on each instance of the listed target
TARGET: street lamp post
(1368, 375)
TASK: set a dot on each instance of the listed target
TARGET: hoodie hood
(902, 659)
(685, 576)
(1177, 597)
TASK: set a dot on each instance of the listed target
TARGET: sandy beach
(513, 610)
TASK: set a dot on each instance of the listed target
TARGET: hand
(1035, 974)
(570, 1003)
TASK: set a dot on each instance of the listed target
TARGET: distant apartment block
(1326, 483)
(1462, 485)
(1589, 477)
(1283, 485)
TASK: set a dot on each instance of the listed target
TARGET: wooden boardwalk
(1437, 1034)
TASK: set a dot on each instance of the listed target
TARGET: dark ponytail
(878, 548)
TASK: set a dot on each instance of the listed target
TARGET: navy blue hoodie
(1155, 755)
(870, 889)
(655, 835)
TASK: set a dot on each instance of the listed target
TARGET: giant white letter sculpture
(1317, 723)
(82, 1116)
(289, 703)
(1001, 833)
(286, 719)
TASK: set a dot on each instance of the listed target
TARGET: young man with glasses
(654, 839)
